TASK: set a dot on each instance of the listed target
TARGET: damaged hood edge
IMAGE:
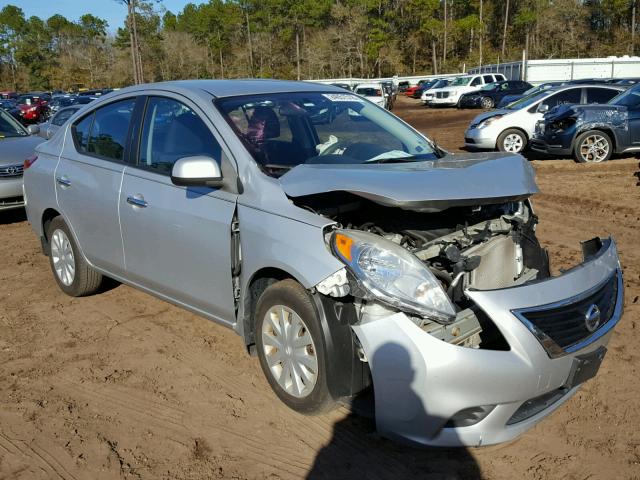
(429, 186)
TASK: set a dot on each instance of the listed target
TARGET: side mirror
(33, 129)
(543, 108)
(199, 171)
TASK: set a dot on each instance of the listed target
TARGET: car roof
(229, 88)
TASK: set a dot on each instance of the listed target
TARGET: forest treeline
(303, 39)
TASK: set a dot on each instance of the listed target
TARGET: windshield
(628, 98)
(461, 81)
(369, 92)
(288, 129)
(527, 100)
(441, 83)
(27, 99)
(9, 127)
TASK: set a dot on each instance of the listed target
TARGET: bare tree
(504, 32)
(481, 35)
(136, 59)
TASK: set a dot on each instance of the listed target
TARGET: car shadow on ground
(13, 216)
(356, 450)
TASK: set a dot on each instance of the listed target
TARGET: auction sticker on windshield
(342, 97)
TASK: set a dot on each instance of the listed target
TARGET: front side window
(10, 127)
(476, 81)
(488, 78)
(109, 130)
(322, 128)
(172, 131)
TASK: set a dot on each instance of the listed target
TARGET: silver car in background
(53, 123)
(17, 145)
(346, 249)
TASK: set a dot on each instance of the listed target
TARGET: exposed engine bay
(485, 247)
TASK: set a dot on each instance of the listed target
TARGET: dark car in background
(8, 95)
(490, 95)
(11, 107)
(591, 133)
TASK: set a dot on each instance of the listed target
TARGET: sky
(111, 10)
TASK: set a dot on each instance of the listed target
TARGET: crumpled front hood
(428, 186)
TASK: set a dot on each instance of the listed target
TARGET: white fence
(533, 71)
(558, 70)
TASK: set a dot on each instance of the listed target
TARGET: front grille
(11, 201)
(442, 94)
(7, 171)
(566, 324)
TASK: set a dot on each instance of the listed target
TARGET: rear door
(177, 240)
(88, 179)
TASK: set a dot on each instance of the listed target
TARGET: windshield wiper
(410, 158)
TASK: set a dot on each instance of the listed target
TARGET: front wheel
(291, 349)
(593, 146)
(512, 141)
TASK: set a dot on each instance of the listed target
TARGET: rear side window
(109, 131)
(600, 95)
(488, 78)
(567, 96)
(81, 133)
(172, 131)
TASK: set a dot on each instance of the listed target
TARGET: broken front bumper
(422, 384)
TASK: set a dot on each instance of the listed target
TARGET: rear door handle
(137, 200)
(63, 181)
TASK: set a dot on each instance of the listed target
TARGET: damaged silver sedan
(349, 252)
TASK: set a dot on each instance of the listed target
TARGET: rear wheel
(486, 102)
(593, 146)
(512, 141)
(72, 273)
(291, 348)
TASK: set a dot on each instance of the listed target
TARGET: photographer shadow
(356, 450)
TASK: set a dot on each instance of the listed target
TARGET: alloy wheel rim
(64, 262)
(513, 143)
(487, 103)
(289, 351)
(594, 149)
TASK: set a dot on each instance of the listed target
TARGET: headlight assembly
(392, 275)
(488, 121)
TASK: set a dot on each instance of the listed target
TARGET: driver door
(177, 240)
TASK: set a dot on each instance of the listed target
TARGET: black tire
(86, 281)
(508, 135)
(487, 102)
(292, 295)
(580, 151)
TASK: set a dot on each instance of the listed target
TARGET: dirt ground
(122, 385)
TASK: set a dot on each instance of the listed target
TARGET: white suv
(449, 96)
(372, 92)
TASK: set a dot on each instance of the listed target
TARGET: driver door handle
(137, 200)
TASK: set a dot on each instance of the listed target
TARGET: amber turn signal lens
(343, 245)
